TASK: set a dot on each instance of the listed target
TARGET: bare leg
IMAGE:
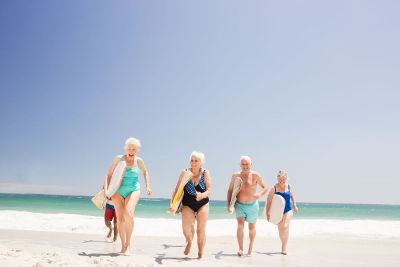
(108, 224)
(239, 234)
(202, 216)
(129, 213)
(119, 205)
(252, 235)
(188, 227)
(115, 229)
(283, 228)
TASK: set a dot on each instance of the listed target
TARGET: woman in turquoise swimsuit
(127, 196)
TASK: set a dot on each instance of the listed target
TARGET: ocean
(156, 208)
(76, 214)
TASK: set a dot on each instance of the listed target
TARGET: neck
(129, 158)
(195, 171)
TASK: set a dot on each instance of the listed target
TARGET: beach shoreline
(38, 248)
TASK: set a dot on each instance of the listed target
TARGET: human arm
(263, 185)
(295, 209)
(109, 174)
(146, 176)
(207, 180)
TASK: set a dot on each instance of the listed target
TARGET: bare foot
(127, 250)
(284, 253)
(240, 253)
(199, 255)
(187, 248)
(123, 249)
(249, 254)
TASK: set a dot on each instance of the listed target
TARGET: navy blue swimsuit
(189, 196)
(286, 196)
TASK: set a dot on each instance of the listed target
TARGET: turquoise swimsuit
(130, 181)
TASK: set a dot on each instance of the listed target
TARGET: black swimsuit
(189, 196)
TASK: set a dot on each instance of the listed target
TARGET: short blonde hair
(282, 173)
(246, 158)
(198, 155)
(132, 141)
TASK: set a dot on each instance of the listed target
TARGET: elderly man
(246, 205)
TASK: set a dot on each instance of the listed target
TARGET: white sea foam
(72, 223)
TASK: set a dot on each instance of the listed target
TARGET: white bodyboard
(237, 185)
(277, 208)
(116, 178)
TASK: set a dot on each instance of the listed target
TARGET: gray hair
(132, 141)
(246, 158)
(282, 173)
(198, 155)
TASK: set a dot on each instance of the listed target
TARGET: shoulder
(118, 158)
(257, 174)
(235, 174)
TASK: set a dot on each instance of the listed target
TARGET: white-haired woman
(127, 196)
(195, 202)
(282, 188)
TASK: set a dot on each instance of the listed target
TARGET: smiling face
(281, 179)
(131, 151)
(195, 162)
(245, 165)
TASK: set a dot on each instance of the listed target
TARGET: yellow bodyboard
(175, 204)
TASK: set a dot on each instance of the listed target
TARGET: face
(195, 162)
(131, 151)
(245, 165)
(281, 179)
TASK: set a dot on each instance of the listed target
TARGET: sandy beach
(37, 248)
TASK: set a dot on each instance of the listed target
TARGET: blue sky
(308, 86)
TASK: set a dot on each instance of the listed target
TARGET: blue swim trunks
(247, 210)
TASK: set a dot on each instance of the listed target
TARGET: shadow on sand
(222, 254)
(161, 257)
(166, 246)
(269, 253)
(99, 254)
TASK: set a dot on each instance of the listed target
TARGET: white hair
(198, 155)
(282, 173)
(246, 158)
(132, 141)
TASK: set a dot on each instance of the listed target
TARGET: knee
(200, 231)
(129, 214)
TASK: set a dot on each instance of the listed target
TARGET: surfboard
(116, 178)
(276, 209)
(176, 201)
(237, 185)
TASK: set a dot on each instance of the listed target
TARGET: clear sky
(312, 87)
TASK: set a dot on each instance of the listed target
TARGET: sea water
(77, 214)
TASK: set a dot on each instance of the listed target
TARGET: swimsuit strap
(202, 181)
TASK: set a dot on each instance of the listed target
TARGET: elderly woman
(282, 188)
(127, 196)
(195, 202)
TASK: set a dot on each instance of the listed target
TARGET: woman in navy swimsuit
(282, 188)
(195, 203)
